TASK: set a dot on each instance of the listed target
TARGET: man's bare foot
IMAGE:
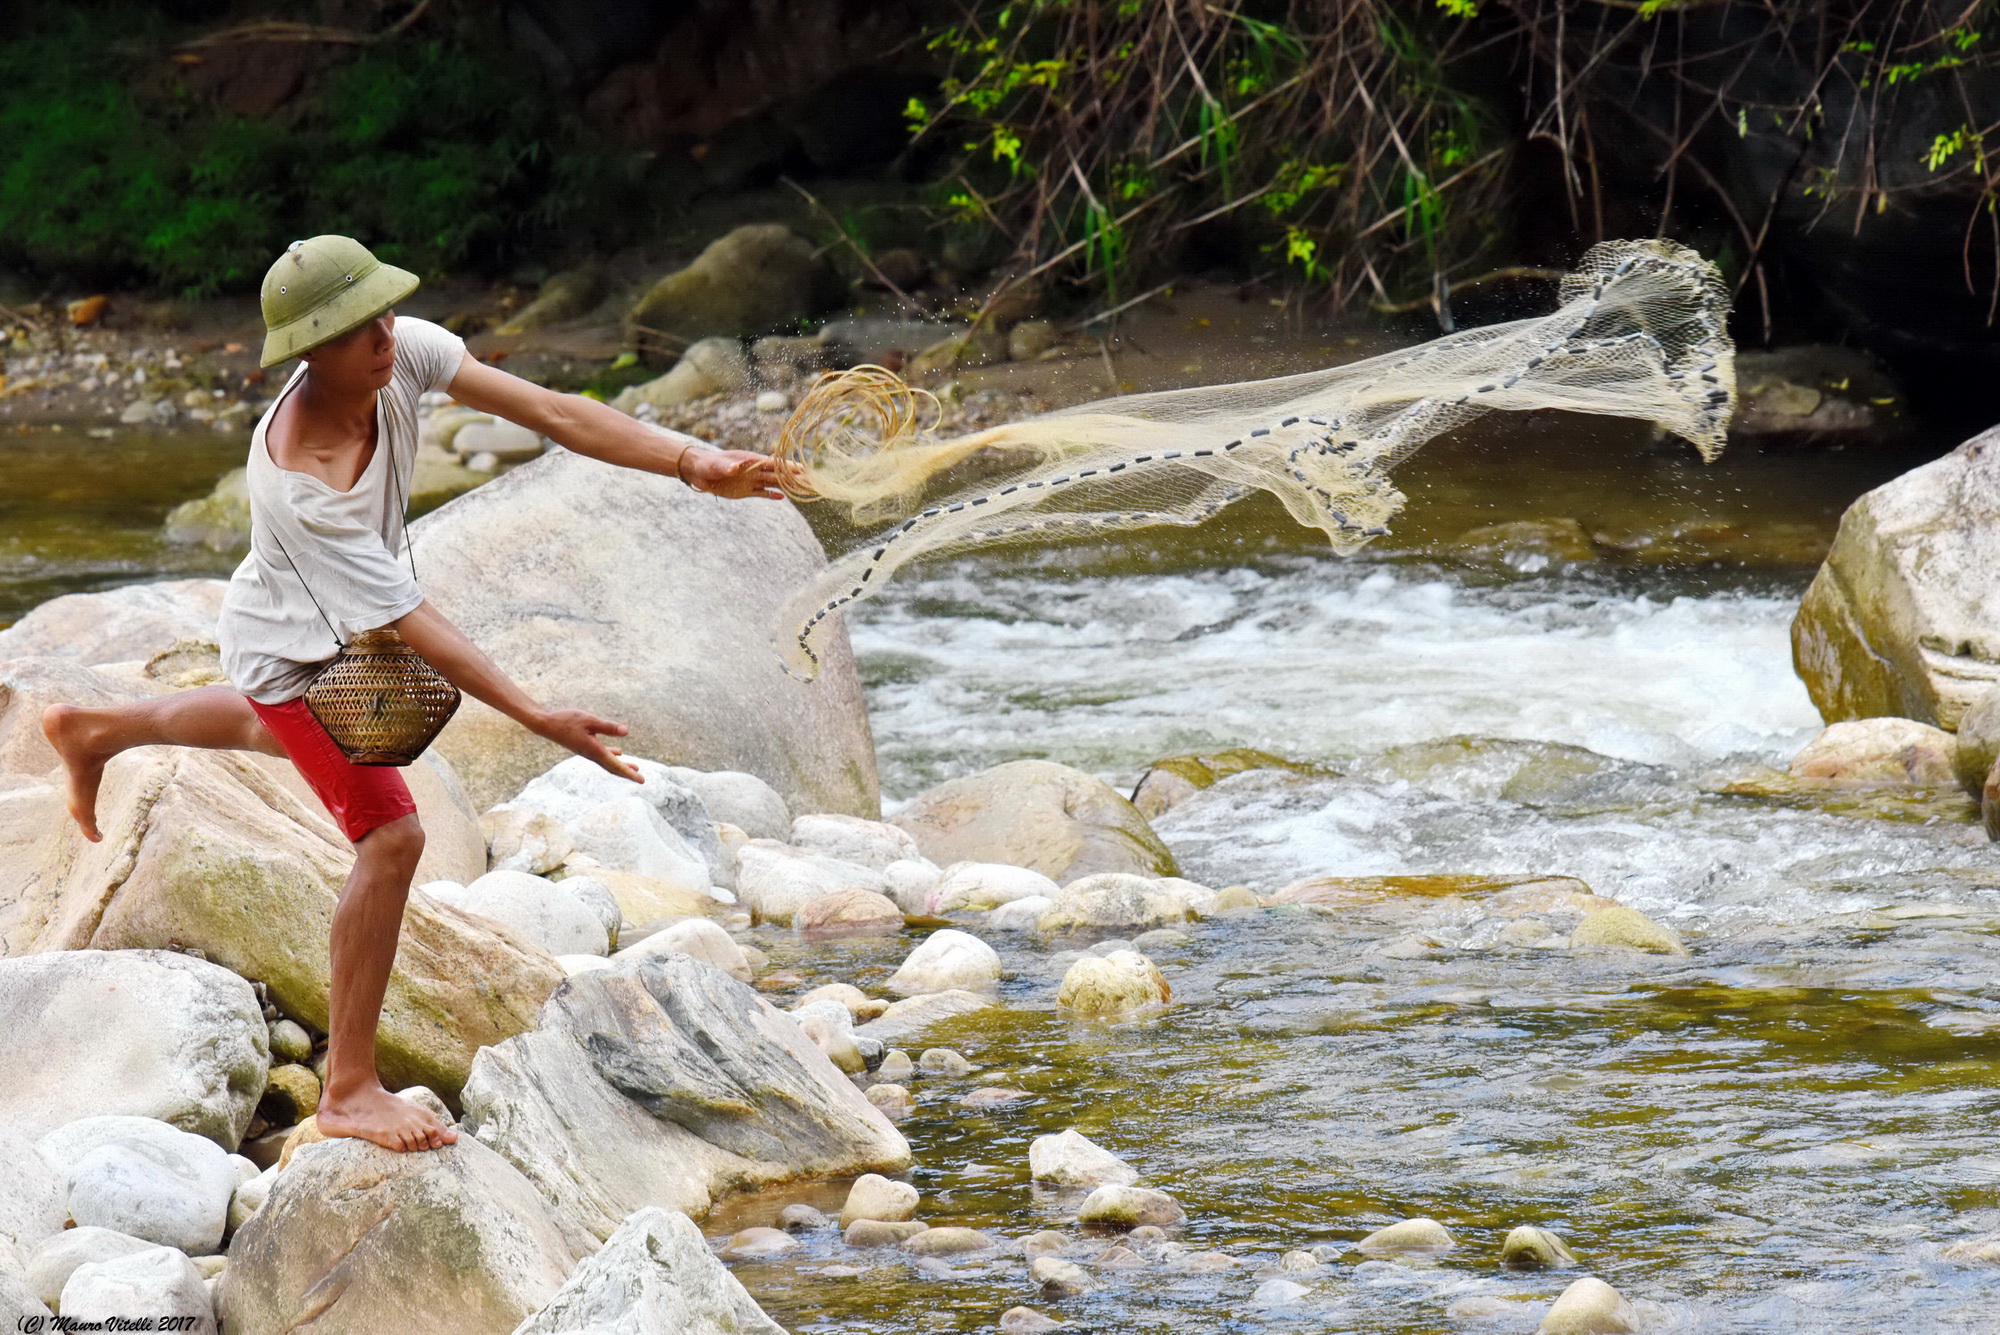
(392, 1122)
(69, 732)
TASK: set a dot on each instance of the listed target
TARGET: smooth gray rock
(653, 1276)
(662, 1081)
(175, 1194)
(947, 960)
(539, 909)
(52, 1263)
(32, 1192)
(738, 799)
(633, 597)
(159, 1283)
(121, 625)
(1071, 1159)
(1037, 814)
(152, 1033)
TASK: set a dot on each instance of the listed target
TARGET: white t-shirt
(346, 547)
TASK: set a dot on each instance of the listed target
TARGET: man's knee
(400, 842)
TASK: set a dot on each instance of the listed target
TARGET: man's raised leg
(365, 928)
(214, 718)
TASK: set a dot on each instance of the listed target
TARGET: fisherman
(329, 472)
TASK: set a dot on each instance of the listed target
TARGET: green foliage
(436, 155)
(1093, 134)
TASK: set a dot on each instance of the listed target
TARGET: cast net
(1640, 332)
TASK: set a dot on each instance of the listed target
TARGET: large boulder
(663, 1081)
(652, 1276)
(32, 1194)
(629, 595)
(173, 1192)
(1036, 814)
(355, 1240)
(1879, 750)
(229, 854)
(149, 1033)
(1903, 620)
(774, 881)
(753, 280)
(132, 622)
(161, 1283)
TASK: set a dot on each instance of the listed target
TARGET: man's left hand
(735, 474)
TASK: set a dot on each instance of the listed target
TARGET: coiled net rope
(1640, 332)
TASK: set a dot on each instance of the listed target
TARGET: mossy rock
(1890, 802)
(219, 521)
(1169, 782)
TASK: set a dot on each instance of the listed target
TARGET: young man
(329, 472)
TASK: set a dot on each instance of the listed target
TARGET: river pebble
(1531, 1248)
(876, 1197)
(1127, 1207)
(892, 1101)
(943, 1062)
(1278, 1293)
(881, 1233)
(1408, 1236)
(1027, 1321)
(1071, 1159)
(1117, 1258)
(1296, 1260)
(290, 1042)
(1058, 1278)
(947, 960)
(949, 1242)
(1044, 1243)
(799, 1217)
(1589, 1307)
(896, 1067)
(753, 1244)
(994, 1096)
(1627, 927)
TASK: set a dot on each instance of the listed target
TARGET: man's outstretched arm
(447, 649)
(589, 427)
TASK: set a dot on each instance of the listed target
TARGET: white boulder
(539, 909)
(158, 1283)
(629, 834)
(152, 1033)
(1071, 1159)
(735, 798)
(697, 938)
(987, 885)
(1021, 915)
(774, 880)
(947, 960)
(32, 1192)
(52, 1263)
(653, 1276)
(173, 1193)
(1113, 984)
(869, 843)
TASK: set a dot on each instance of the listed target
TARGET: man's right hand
(579, 732)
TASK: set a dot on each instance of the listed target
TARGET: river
(1778, 1132)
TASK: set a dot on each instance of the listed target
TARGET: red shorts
(360, 798)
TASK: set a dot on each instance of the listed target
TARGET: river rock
(912, 1016)
(881, 1232)
(564, 296)
(798, 1217)
(1021, 915)
(1977, 745)
(948, 960)
(52, 1263)
(291, 1094)
(755, 279)
(1071, 1159)
(1119, 1206)
(630, 835)
(519, 839)
(1278, 1293)
(1113, 984)
(1530, 1248)
(175, 1194)
(1037, 814)
(677, 644)
(1027, 1321)
(289, 1041)
(876, 1197)
(893, 1101)
(121, 625)
(574, 788)
(358, 1239)
(250, 1197)
(757, 1244)
(858, 1004)
(229, 853)
(643, 899)
(1621, 926)
(1901, 621)
(986, 885)
(664, 1081)
(1114, 899)
(696, 938)
(833, 1037)
(735, 798)
(219, 521)
(1058, 1278)
(158, 1283)
(896, 1065)
(709, 366)
(949, 1242)
(1419, 1236)
(1879, 750)
(911, 883)
(147, 1033)
(544, 911)
(944, 1062)
(871, 843)
(849, 913)
(1589, 1307)
(32, 1192)
(1173, 779)
(775, 881)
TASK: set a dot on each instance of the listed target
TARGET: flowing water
(1777, 1132)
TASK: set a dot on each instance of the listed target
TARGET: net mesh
(1640, 332)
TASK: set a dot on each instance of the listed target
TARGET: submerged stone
(1531, 1248)
(1408, 1235)
(1621, 926)
(1589, 1307)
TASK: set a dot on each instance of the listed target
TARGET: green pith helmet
(322, 288)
